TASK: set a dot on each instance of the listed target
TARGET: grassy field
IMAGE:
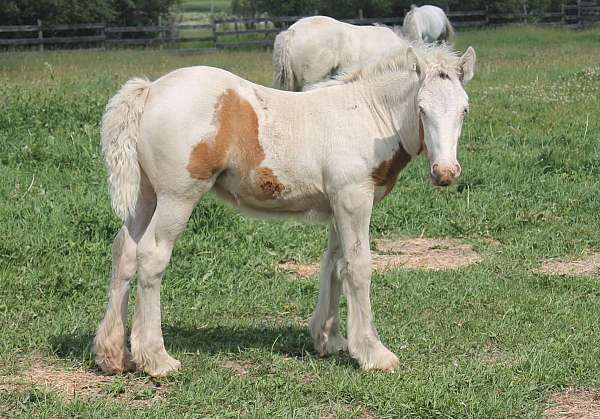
(188, 6)
(490, 340)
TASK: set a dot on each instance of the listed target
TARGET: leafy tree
(140, 12)
(27, 12)
(126, 12)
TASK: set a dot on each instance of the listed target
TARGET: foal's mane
(396, 29)
(439, 60)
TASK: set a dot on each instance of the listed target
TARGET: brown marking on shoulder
(387, 172)
(236, 138)
(268, 183)
(422, 145)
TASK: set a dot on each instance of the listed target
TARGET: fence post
(171, 37)
(160, 33)
(214, 29)
(360, 13)
(563, 16)
(40, 35)
(579, 18)
(487, 15)
(525, 12)
(103, 33)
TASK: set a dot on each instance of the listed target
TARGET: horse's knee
(152, 260)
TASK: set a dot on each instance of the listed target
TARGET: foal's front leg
(325, 322)
(352, 213)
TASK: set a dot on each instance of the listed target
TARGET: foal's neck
(393, 106)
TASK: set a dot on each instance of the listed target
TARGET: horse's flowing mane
(438, 59)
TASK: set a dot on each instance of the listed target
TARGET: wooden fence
(246, 32)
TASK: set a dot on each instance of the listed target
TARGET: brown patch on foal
(268, 183)
(236, 139)
(387, 172)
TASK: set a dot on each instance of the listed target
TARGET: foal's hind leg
(110, 343)
(153, 254)
(325, 322)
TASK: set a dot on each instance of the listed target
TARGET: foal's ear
(414, 62)
(467, 65)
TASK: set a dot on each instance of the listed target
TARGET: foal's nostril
(457, 170)
(445, 175)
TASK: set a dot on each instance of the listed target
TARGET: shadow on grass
(290, 341)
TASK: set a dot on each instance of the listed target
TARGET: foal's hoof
(328, 345)
(382, 359)
(162, 366)
(115, 363)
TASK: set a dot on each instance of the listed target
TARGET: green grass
(195, 6)
(490, 340)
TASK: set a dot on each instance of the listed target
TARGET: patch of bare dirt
(239, 368)
(415, 253)
(72, 383)
(588, 265)
(573, 403)
(427, 254)
(303, 270)
(493, 355)
(308, 378)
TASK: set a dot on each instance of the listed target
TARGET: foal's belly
(301, 202)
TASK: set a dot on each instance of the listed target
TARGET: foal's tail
(409, 26)
(119, 136)
(450, 33)
(283, 75)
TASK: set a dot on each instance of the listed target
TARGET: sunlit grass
(490, 340)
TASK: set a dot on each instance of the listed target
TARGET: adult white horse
(326, 155)
(427, 23)
(317, 48)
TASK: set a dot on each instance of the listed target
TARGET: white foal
(327, 155)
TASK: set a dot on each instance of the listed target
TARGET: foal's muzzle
(444, 175)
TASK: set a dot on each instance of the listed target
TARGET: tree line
(52, 12)
(146, 12)
(381, 8)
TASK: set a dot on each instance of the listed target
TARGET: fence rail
(257, 31)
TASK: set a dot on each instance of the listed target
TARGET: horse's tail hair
(119, 137)
(450, 33)
(283, 75)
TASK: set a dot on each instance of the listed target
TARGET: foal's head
(442, 104)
